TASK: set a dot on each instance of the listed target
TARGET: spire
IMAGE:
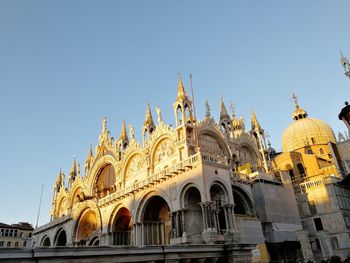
(104, 124)
(207, 110)
(149, 119)
(181, 93)
(148, 125)
(255, 124)
(223, 111)
(90, 154)
(123, 134)
(104, 136)
(88, 161)
(73, 171)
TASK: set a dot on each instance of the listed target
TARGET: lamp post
(344, 114)
(346, 65)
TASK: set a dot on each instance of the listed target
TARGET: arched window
(321, 151)
(301, 169)
(309, 151)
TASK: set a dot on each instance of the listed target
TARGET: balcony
(153, 179)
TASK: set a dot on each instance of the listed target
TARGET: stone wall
(185, 253)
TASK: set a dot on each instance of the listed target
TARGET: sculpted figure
(132, 132)
(159, 115)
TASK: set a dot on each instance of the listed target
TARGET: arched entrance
(45, 242)
(243, 204)
(156, 222)
(87, 229)
(61, 238)
(193, 214)
(122, 227)
(218, 197)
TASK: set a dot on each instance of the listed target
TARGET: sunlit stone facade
(312, 162)
(199, 182)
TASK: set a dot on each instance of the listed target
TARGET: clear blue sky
(65, 64)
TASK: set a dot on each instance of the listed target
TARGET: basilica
(206, 182)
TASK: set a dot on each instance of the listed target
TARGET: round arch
(218, 138)
(243, 203)
(96, 168)
(63, 206)
(45, 241)
(161, 139)
(156, 221)
(78, 194)
(121, 226)
(60, 239)
(145, 198)
(88, 225)
(193, 217)
(219, 197)
(135, 157)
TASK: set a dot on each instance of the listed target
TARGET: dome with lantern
(305, 131)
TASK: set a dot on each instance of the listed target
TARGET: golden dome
(305, 132)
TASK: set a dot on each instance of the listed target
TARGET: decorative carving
(134, 165)
(132, 132)
(164, 149)
(159, 115)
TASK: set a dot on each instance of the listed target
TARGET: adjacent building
(15, 235)
(311, 162)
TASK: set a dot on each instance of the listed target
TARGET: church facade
(200, 182)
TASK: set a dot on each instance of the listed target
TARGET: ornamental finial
(295, 98)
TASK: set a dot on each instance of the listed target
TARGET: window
(24, 243)
(318, 224)
(309, 151)
(30, 234)
(16, 244)
(8, 243)
(301, 169)
(1, 243)
(334, 241)
(321, 151)
(15, 233)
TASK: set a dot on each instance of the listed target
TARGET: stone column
(303, 237)
(204, 216)
(183, 223)
(177, 224)
(173, 226)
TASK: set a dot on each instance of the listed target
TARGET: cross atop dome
(295, 98)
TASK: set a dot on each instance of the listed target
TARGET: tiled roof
(20, 225)
(23, 226)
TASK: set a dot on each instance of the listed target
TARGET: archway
(46, 242)
(105, 181)
(193, 214)
(87, 228)
(243, 204)
(122, 227)
(217, 195)
(156, 222)
(61, 238)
